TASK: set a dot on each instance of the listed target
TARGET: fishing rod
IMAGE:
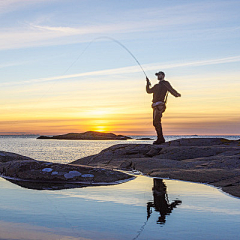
(114, 40)
(84, 50)
(119, 43)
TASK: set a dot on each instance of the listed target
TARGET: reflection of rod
(141, 230)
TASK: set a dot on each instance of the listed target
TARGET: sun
(100, 120)
(99, 129)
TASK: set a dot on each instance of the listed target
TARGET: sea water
(143, 208)
(66, 151)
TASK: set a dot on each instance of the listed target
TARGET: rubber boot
(160, 138)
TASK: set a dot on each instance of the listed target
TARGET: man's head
(160, 75)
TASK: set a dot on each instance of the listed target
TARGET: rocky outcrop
(90, 135)
(7, 156)
(144, 138)
(215, 161)
(38, 174)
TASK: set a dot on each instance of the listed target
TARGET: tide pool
(143, 208)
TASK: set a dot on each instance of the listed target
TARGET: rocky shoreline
(215, 161)
(34, 174)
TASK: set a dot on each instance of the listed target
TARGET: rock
(154, 151)
(7, 156)
(47, 172)
(90, 135)
(215, 161)
(47, 185)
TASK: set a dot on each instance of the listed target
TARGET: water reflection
(46, 185)
(119, 212)
(160, 204)
(160, 201)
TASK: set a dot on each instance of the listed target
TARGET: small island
(144, 138)
(89, 135)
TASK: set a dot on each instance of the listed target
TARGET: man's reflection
(160, 201)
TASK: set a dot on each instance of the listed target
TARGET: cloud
(12, 5)
(11, 64)
(195, 63)
(128, 70)
(38, 33)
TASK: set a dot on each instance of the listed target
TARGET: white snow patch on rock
(47, 169)
(87, 175)
(72, 174)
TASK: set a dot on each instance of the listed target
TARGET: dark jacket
(160, 90)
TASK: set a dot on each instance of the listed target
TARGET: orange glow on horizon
(102, 129)
(114, 108)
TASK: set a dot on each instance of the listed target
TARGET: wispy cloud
(12, 5)
(12, 64)
(194, 63)
(128, 70)
(39, 33)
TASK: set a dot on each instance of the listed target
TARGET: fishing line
(85, 49)
(123, 46)
(67, 222)
(112, 39)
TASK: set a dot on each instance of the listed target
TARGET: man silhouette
(160, 93)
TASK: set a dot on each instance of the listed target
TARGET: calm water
(132, 210)
(126, 211)
(65, 151)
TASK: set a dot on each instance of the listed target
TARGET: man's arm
(148, 89)
(171, 89)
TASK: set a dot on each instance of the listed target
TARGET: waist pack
(158, 104)
(159, 107)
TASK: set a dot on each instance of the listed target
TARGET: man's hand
(148, 82)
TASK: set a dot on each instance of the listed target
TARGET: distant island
(144, 138)
(90, 135)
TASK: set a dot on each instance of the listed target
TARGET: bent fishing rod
(114, 40)
(98, 38)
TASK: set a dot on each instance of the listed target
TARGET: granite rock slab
(215, 161)
(19, 168)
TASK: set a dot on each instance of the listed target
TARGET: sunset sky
(61, 73)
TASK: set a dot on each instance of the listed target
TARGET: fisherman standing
(160, 93)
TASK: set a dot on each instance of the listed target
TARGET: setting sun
(100, 129)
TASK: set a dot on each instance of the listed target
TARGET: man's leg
(157, 118)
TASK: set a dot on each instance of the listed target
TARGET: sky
(61, 69)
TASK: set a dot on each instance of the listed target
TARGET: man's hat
(160, 73)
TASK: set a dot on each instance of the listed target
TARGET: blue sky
(196, 43)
